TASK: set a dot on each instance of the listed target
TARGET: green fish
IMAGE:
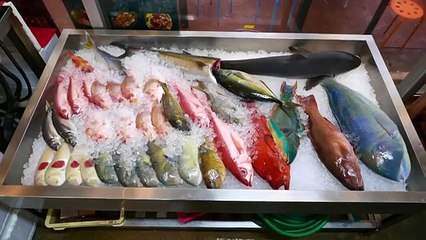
(244, 86)
(189, 167)
(197, 65)
(281, 140)
(166, 172)
(220, 104)
(287, 120)
(173, 111)
(104, 166)
(145, 171)
(127, 178)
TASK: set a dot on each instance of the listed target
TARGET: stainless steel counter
(219, 200)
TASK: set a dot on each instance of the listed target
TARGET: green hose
(294, 225)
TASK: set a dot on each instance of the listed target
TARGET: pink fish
(87, 89)
(230, 146)
(193, 107)
(144, 123)
(60, 101)
(100, 95)
(114, 90)
(158, 119)
(98, 127)
(75, 96)
(129, 88)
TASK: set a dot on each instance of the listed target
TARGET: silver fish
(50, 135)
(65, 128)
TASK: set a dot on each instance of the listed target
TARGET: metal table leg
(274, 15)
(256, 15)
(413, 81)
(377, 15)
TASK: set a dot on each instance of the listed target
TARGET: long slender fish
(50, 135)
(332, 146)
(302, 64)
(246, 87)
(374, 135)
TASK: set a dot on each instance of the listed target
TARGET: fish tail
(288, 89)
(286, 105)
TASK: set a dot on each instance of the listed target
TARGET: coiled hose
(294, 225)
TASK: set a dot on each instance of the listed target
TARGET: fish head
(389, 156)
(246, 173)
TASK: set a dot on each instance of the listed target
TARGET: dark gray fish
(302, 64)
(145, 171)
(104, 166)
(65, 128)
(127, 178)
(50, 135)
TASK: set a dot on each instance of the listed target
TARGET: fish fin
(284, 105)
(299, 50)
(312, 82)
(48, 106)
(289, 89)
(186, 52)
(297, 56)
(264, 84)
(89, 43)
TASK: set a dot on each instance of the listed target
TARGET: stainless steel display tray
(220, 200)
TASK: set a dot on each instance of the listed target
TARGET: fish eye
(243, 172)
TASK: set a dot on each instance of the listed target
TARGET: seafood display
(177, 118)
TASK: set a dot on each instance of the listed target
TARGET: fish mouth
(216, 65)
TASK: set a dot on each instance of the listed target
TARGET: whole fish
(127, 178)
(65, 128)
(60, 101)
(81, 63)
(268, 161)
(50, 135)
(221, 105)
(114, 90)
(333, 148)
(302, 64)
(73, 173)
(375, 136)
(75, 96)
(166, 172)
(99, 95)
(42, 165)
(55, 173)
(189, 167)
(287, 120)
(173, 111)
(113, 62)
(145, 171)
(212, 167)
(246, 87)
(104, 166)
(88, 171)
(229, 145)
(197, 65)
